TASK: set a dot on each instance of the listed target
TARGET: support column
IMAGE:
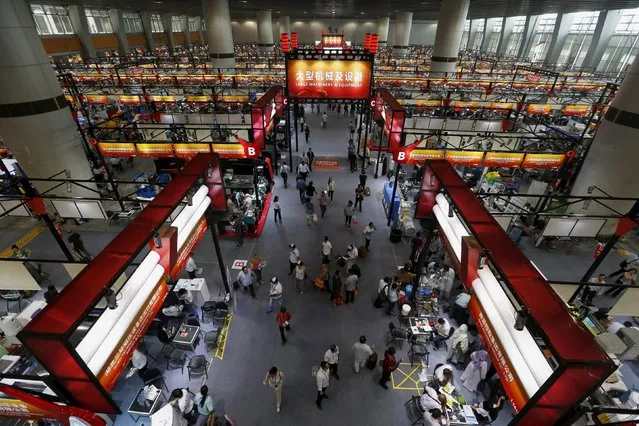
(218, 33)
(506, 32)
(403, 24)
(117, 24)
(35, 119)
(265, 30)
(559, 35)
(285, 25)
(529, 30)
(185, 29)
(450, 28)
(610, 161)
(200, 30)
(382, 31)
(81, 28)
(148, 32)
(472, 33)
(605, 29)
(167, 24)
(488, 32)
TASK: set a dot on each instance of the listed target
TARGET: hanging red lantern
(367, 41)
(374, 43)
(285, 45)
(294, 40)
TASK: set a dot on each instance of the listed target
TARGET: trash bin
(396, 235)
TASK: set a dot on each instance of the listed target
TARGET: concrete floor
(253, 344)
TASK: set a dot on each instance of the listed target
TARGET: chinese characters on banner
(329, 79)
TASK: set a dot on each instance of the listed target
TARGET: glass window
(99, 21)
(514, 43)
(193, 24)
(156, 23)
(497, 25)
(51, 19)
(546, 23)
(132, 22)
(176, 24)
(574, 50)
(464, 40)
(467, 25)
(585, 22)
(481, 25)
(628, 22)
(520, 24)
(493, 42)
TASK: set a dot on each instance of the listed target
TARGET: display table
(144, 406)
(419, 326)
(462, 415)
(186, 337)
(197, 287)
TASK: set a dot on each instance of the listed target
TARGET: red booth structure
(543, 383)
(79, 382)
(263, 114)
(392, 113)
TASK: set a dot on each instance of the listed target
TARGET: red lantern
(294, 40)
(374, 43)
(285, 46)
(367, 41)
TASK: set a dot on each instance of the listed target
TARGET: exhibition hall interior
(380, 213)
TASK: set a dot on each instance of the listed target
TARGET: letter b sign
(251, 152)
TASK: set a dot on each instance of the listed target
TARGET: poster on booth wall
(328, 79)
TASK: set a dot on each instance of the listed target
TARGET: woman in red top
(388, 366)
(284, 321)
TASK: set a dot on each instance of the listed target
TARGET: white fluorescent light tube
(183, 234)
(186, 213)
(507, 343)
(112, 340)
(90, 343)
(454, 221)
(448, 231)
(528, 348)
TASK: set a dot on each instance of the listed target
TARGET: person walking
(435, 247)
(389, 364)
(323, 203)
(311, 156)
(416, 244)
(361, 352)
(349, 211)
(459, 345)
(304, 157)
(351, 256)
(274, 294)
(50, 293)
(301, 187)
(327, 248)
(239, 227)
(631, 261)
(351, 128)
(245, 277)
(368, 234)
(332, 357)
(324, 120)
(350, 285)
(284, 322)
(204, 403)
(325, 275)
(303, 170)
(77, 245)
(275, 379)
(190, 267)
(352, 160)
(300, 276)
(277, 208)
(339, 109)
(293, 257)
(393, 297)
(359, 196)
(307, 133)
(330, 187)
(310, 190)
(257, 264)
(309, 209)
(284, 171)
(323, 379)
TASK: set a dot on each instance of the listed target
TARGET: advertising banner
(236, 98)
(163, 99)
(95, 99)
(533, 77)
(188, 150)
(543, 161)
(120, 358)
(464, 158)
(429, 103)
(17, 408)
(503, 159)
(117, 149)
(502, 106)
(458, 106)
(188, 247)
(505, 369)
(539, 109)
(328, 79)
(130, 99)
(155, 150)
(198, 98)
(576, 110)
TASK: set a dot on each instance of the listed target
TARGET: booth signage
(236, 98)
(328, 79)
(188, 247)
(94, 99)
(459, 106)
(155, 150)
(576, 110)
(503, 159)
(539, 109)
(117, 149)
(464, 158)
(129, 99)
(533, 77)
(431, 103)
(543, 161)
(502, 106)
(120, 358)
(187, 150)
(163, 99)
(513, 387)
(17, 408)
(198, 98)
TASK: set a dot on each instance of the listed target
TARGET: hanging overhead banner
(464, 158)
(576, 110)
(503, 159)
(539, 109)
(117, 149)
(155, 150)
(129, 99)
(328, 79)
(543, 161)
(188, 150)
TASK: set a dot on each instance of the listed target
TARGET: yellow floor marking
(221, 346)
(26, 239)
(414, 369)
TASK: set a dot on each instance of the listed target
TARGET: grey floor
(253, 344)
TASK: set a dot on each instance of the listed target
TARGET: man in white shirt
(327, 247)
(442, 330)
(361, 352)
(332, 357)
(589, 293)
(323, 378)
(430, 399)
(383, 283)
(302, 170)
(351, 256)
(448, 278)
(293, 257)
(190, 267)
(138, 363)
(245, 277)
(444, 375)
(186, 299)
(275, 294)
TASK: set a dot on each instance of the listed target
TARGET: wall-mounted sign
(328, 79)
(236, 98)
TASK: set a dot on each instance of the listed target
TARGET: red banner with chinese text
(329, 79)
